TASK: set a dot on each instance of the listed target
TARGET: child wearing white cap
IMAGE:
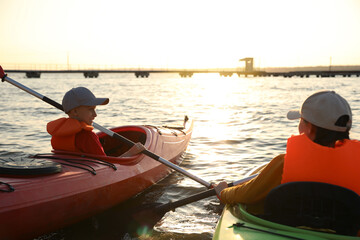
(322, 149)
(75, 132)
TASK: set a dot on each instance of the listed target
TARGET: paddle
(130, 143)
(152, 213)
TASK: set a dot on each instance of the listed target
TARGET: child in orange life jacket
(75, 133)
(322, 152)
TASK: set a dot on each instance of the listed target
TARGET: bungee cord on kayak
(243, 225)
(89, 159)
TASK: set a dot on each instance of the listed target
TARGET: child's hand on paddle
(136, 149)
(219, 187)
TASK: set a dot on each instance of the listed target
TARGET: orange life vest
(308, 161)
(63, 132)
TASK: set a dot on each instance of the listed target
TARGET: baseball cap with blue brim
(323, 109)
(81, 96)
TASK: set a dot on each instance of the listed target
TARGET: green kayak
(237, 223)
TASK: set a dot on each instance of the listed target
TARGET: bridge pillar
(33, 74)
(142, 74)
(185, 74)
(91, 74)
(226, 74)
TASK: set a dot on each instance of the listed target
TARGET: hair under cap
(323, 109)
(81, 96)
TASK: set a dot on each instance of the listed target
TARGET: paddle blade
(2, 73)
(150, 214)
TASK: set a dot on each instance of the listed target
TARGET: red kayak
(49, 191)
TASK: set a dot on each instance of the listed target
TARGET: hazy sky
(186, 33)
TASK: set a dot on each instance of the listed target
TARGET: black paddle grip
(3, 78)
(53, 103)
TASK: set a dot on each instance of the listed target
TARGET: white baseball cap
(81, 96)
(323, 109)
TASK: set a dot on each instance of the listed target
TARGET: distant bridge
(144, 73)
(93, 71)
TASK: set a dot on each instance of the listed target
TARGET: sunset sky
(182, 34)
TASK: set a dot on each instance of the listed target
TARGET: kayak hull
(41, 204)
(250, 227)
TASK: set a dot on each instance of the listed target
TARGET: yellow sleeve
(258, 188)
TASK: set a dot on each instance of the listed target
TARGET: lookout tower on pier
(249, 64)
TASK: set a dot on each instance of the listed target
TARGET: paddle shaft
(130, 143)
(196, 197)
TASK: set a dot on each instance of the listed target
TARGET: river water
(239, 124)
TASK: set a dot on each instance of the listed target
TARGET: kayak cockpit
(315, 206)
(114, 147)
